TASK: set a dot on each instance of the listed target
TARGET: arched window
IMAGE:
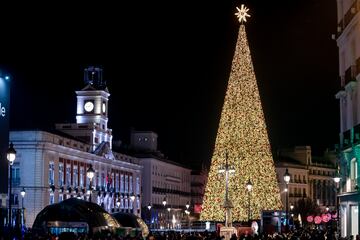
(353, 169)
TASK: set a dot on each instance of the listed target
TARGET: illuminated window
(75, 176)
(61, 174)
(137, 188)
(51, 173)
(353, 169)
(103, 179)
(82, 173)
(117, 182)
(126, 203)
(122, 202)
(68, 174)
(61, 197)
(130, 184)
(122, 183)
(137, 202)
(51, 199)
(126, 184)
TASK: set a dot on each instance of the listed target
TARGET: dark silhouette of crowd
(298, 234)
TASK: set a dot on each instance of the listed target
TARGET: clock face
(103, 107)
(89, 106)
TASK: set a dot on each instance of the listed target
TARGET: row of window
(75, 175)
(322, 172)
(169, 186)
(160, 171)
(124, 202)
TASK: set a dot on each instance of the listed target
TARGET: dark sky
(167, 66)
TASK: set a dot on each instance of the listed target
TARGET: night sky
(167, 66)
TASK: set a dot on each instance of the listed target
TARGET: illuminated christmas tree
(242, 137)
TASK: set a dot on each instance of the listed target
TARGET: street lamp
(132, 199)
(188, 215)
(292, 214)
(168, 218)
(187, 205)
(149, 207)
(10, 155)
(249, 188)
(327, 208)
(22, 193)
(337, 181)
(164, 217)
(287, 180)
(118, 205)
(90, 174)
(227, 169)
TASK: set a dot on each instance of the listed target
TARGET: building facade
(166, 184)
(348, 42)
(311, 177)
(52, 166)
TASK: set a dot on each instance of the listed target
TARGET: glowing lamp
(287, 176)
(11, 154)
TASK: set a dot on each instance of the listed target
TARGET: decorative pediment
(104, 150)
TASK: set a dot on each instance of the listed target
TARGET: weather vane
(242, 13)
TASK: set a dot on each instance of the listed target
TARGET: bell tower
(92, 100)
(91, 111)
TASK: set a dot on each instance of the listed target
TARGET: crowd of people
(298, 234)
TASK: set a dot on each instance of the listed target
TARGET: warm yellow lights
(243, 137)
(242, 13)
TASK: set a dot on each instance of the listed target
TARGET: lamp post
(132, 199)
(118, 205)
(292, 214)
(22, 193)
(10, 155)
(90, 174)
(337, 181)
(249, 188)
(188, 213)
(227, 169)
(287, 180)
(188, 216)
(149, 207)
(168, 218)
(164, 203)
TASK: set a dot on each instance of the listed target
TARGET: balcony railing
(353, 185)
(349, 15)
(346, 139)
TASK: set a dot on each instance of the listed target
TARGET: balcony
(357, 134)
(350, 137)
(349, 15)
(346, 143)
(350, 75)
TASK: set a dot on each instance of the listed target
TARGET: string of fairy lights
(243, 137)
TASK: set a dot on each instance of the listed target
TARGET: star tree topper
(242, 13)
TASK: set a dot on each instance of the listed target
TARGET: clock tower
(91, 111)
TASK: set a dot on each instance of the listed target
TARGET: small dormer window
(139, 139)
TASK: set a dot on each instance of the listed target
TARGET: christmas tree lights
(243, 137)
